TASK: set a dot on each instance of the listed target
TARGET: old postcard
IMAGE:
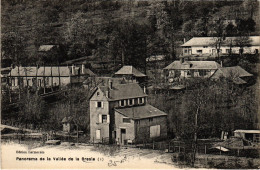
(130, 84)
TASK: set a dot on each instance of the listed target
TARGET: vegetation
(116, 32)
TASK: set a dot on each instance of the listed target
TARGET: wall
(235, 50)
(94, 117)
(143, 128)
(119, 124)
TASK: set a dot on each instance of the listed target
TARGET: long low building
(235, 45)
(47, 76)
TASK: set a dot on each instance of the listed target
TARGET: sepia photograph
(130, 84)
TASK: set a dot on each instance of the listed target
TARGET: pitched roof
(102, 81)
(129, 70)
(141, 112)
(124, 91)
(47, 71)
(207, 41)
(235, 73)
(177, 65)
(46, 47)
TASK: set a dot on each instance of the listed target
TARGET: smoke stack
(144, 90)
(110, 84)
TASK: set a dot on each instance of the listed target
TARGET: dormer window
(122, 103)
(141, 100)
(130, 102)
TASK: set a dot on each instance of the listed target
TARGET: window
(241, 51)
(126, 120)
(122, 103)
(150, 119)
(227, 51)
(39, 82)
(99, 104)
(154, 131)
(141, 100)
(205, 46)
(219, 50)
(130, 102)
(98, 134)
(98, 93)
(256, 51)
(199, 51)
(13, 82)
(202, 72)
(185, 51)
(104, 118)
(28, 82)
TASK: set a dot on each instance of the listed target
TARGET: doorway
(123, 135)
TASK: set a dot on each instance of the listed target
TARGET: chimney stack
(110, 84)
(83, 68)
(144, 90)
(221, 63)
(107, 94)
(72, 69)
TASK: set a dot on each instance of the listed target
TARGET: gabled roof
(123, 91)
(141, 112)
(41, 71)
(46, 71)
(177, 65)
(235, 73)
(129, 70)
(209, 41)
(46, 47)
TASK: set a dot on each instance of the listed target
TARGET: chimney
(144, 90)
(83, 69)
(184, 40)
(107, 94)
(221, 64)
(73, 69)
(182, 60)
(110, 84)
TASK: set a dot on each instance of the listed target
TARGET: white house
(187, 69)
(207, 45)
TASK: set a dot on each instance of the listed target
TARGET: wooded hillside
(117, 32)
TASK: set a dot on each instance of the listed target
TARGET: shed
(252, 135)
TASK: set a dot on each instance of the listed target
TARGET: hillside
(126, 31)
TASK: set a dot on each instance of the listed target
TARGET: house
(131, 74)
(47, 76)
(187, 69)
(236, 74)
(120, 113)
(207, 45)
(252, 135)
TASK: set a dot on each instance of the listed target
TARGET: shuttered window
(155, 131)
(98, 134)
